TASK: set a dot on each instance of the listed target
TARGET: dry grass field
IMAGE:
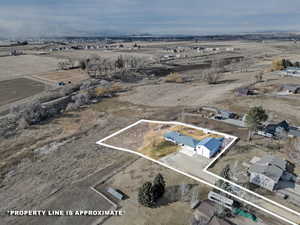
(15, 66)
(83, 54)
(65, 76)
(17, 89)
(41, 163)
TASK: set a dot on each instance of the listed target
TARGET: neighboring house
(226, 114)
(294, 132)
(244, 91)
(207, 211)
(267, 172)
(291, 88)
(118, 195)
(217, 221)
(292, 71)
(274, 130)
(207, 147)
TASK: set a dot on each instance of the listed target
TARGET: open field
(15, 66)
(53, 164)
(65, 76)
(83, 54)
(17, 89)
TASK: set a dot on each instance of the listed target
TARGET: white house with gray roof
(267, 172)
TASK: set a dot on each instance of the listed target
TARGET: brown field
(74, 76)
(15, 66)
(17, 89)
(41, 166)
(81, 54)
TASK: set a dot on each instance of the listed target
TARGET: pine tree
(146, 196)
(159, 185)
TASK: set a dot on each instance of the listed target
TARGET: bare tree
(212, 76)
(254, 117)
(245, 64)
(259, 76)
(194, 198)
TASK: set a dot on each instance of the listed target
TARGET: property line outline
(101, 142)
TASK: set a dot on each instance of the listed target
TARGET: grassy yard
(159, 148)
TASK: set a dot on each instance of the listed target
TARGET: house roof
(206, 209)
(271, 171)
(273, 160)
(271, 128)
(225, 113)
(293, 68)
(217, 221)
(291, 87)
(212, 144)
(182, 139)
(270, 166)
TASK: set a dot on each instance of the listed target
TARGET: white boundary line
(205, 169)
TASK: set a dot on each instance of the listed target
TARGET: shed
(244, 91)
(115, 193)
(226, 114)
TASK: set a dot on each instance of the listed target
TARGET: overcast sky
(76, 17)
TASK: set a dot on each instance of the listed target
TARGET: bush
(281, 64)
(81, 99)
(32, 113)
(102, 91)
(174, 78)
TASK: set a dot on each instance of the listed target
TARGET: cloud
(21, 18)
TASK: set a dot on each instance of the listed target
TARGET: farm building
(267, 172)
(291, 88)
(207, 147)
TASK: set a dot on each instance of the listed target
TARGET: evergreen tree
(145, 195)
(159, 185)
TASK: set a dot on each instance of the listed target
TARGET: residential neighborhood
(149, 112)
